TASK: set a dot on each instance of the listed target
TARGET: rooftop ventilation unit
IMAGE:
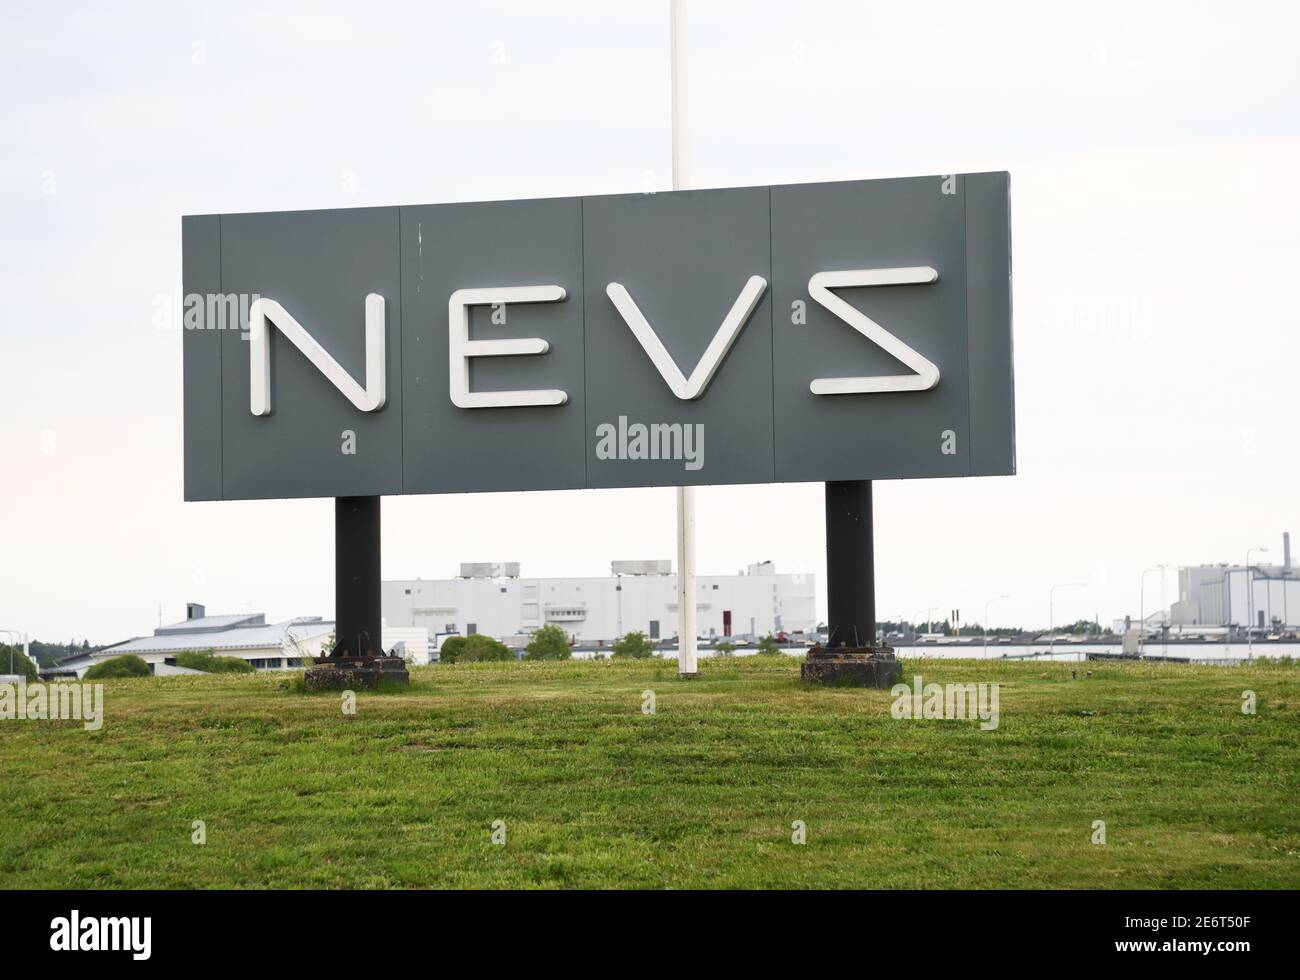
(650, 566)
(489, 569)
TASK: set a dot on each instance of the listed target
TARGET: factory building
(244, 636)
(1261, 596)
(495, 600)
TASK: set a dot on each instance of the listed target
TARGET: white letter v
(690, 388)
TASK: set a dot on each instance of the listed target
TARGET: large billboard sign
(809, 332)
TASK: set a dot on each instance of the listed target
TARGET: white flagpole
(687, 665)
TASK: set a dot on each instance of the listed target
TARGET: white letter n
(267, 312)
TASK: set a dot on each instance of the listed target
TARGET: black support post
(850, 565)
(851, 656)
(356, 577)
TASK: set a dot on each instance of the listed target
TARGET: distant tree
(933, 627)
(21, 665)
(1004, 631)
(549, 643)
(634, 644)
(1086, 627)
(767, 646)
(127, 665)
(49, 654)
(46, 654)
(724, 648)
(210, 663)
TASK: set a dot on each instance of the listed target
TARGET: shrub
(633, 644)
(724, 649)
(483, 648)
(450, 649)
(210, 663)
(127, 665)
(21, 665)
(767, 646)
(549, 643)
(475, 648)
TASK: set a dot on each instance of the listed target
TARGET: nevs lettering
(266, 313)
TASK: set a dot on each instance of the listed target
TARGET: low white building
(247, 636)
(493, 599)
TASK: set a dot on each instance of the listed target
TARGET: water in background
(1229, 653)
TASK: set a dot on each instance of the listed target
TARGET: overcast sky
(1154, 151)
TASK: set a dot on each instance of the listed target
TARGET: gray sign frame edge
(202, 387)
(990, 330)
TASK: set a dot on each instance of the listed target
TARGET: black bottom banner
(333, 929)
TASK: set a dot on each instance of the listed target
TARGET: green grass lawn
(702, 793)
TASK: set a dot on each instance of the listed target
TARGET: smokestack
(1286, 552)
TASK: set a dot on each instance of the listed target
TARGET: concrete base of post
(852, 667)
(355, 673)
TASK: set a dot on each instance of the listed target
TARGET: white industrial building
(493, 599)
(246, 636)
(1261, 596)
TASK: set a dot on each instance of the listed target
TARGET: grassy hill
(702, 793)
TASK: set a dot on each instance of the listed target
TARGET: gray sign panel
(849, 330)
(683, 258)
(448, 247)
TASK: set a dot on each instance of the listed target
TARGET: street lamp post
(1051, 612)
(996, 598)
(929, 622)
(12, 646)
(1164, 615)
(1250, 604)
(1225, 610)
(1142, 605)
